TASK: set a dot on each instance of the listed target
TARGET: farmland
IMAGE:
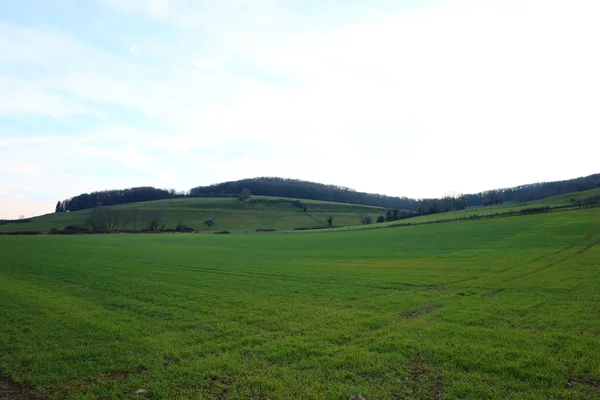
(503, 308)
(228, 214)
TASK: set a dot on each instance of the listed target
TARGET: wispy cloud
(418, 99)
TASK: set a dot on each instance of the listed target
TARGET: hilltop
(294, 188)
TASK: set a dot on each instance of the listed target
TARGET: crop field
(504, 308)
(228, 213)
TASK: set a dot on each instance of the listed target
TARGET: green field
(228, 213)
(503, 308)
(267, 213)
(566, 198)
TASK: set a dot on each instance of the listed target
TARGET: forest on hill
(293, 188)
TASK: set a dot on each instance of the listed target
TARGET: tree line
(113, 197)
(293, 188)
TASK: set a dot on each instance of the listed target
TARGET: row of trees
(293, 188)
(103, 219)
(114, 197)
(534, 191)
(586, 202)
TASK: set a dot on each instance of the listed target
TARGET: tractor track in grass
(561, 251)
(585, 238)
(588, 247)
(564, 249)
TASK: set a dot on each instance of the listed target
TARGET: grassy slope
(492, 309)
(559, 200)
(566, 198)
(228, 213)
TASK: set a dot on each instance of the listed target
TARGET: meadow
(505, 308)
(229, 214)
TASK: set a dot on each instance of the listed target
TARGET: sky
(411, 98)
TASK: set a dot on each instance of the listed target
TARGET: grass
(492, 309)
(270, 213)
(229, 214)
(566, 198)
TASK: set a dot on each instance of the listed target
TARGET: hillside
(264, 213)
(568, 197)
(294, 188)
(229, 214)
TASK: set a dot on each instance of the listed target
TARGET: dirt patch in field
(435, 288)
(593, 384)
(495, 292)
(420, 311)
(218, 386)
(120, 375)
(422, 382)
(10, 390)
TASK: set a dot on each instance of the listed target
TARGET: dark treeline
(114, 197)
(294, 188)
(534, 191)
(14, 221)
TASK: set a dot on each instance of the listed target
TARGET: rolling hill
(228, 213)
(294, 188)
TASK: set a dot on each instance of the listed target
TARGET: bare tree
(97, 221)
(154, 223)
(245, 194)
(366, 219)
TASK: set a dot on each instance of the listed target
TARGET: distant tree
(245, 194)
(433, 208)
(389, 217)
(97, 220)
(366, 219)
(380, 219)
(330, 221)
(58, 207)
(155, 223)
(492, 198)
(209, 222)
(460, 202)
(396, 214)
(591, 201)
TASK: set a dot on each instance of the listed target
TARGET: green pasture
(505, 308)
(228, 214)
(566, 198)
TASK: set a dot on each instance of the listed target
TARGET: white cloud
(449, 96)
(20, 98)
(209, 63)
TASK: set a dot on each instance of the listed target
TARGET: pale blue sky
(416, 98)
